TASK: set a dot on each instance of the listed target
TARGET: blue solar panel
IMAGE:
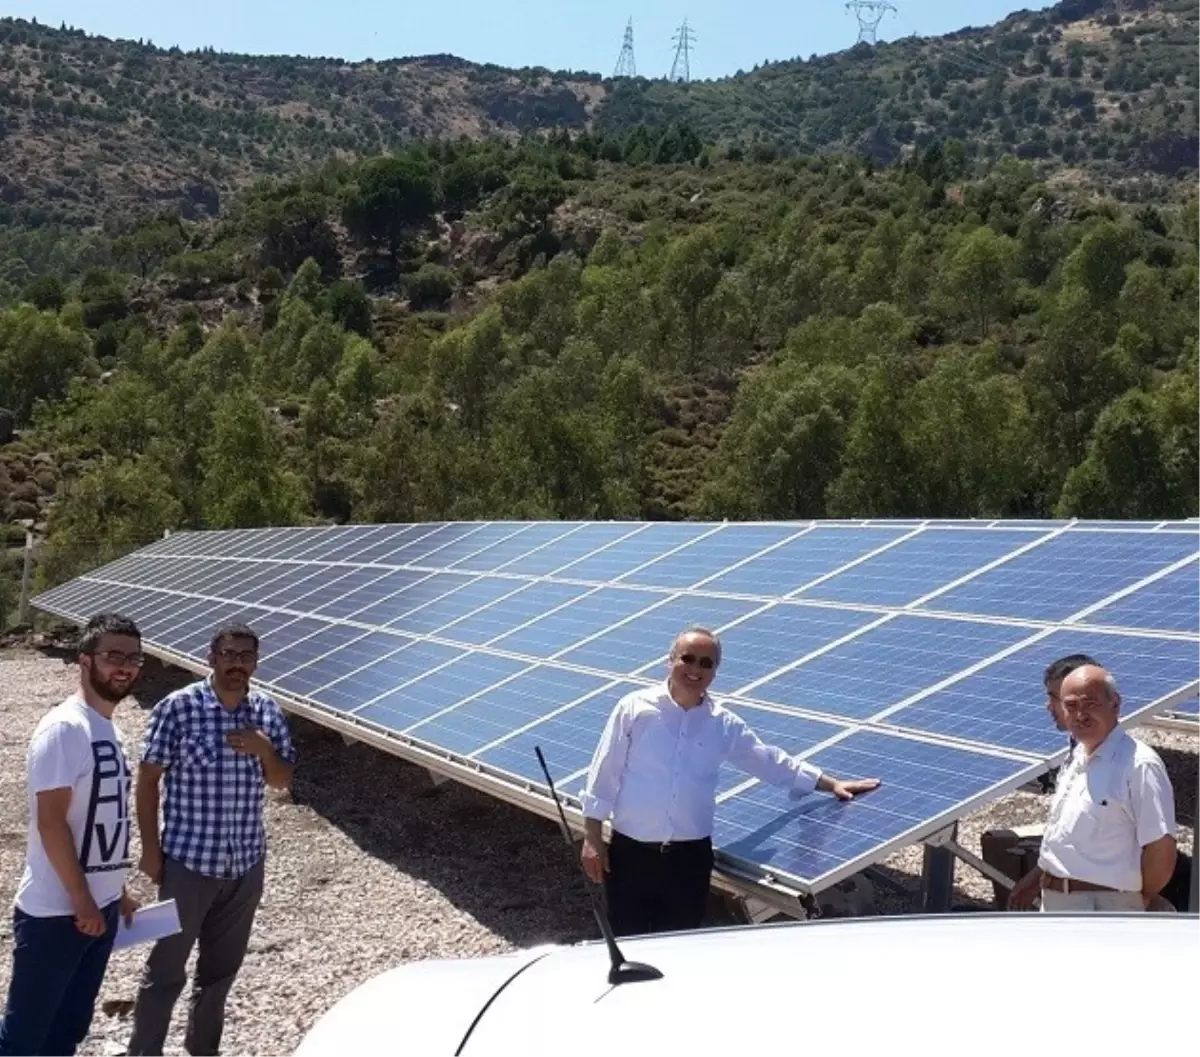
(576, 621)
(711, 555)
(775, 637)
(385, 676)
(1067, 574)
(1169, 604)
(481, 640)
(797, 564)
(571, 548)
(519, 544)
(1003, 704)
(531, 695)
(819, 836)
(638, 644)
(466, 598)
(530, 602)
(626, 555)
(567, 738)
(886, 664)
(901, 575)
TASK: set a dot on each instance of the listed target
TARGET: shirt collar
(208, 694)
(706, 704)
(1108, 747)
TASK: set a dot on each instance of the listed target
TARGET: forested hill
(1094, 92)
(528, 331)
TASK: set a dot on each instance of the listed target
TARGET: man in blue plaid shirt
(218, 744)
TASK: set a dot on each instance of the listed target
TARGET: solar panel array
(904, 649)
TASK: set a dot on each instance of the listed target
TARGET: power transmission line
(684, 39)
(626, 67)
(869, 14)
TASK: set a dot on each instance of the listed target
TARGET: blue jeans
(56, 976)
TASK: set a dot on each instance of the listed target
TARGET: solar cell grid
(710, 554)
(819, 836)
(346, 629)
(433, 689)
(900, 576)
(804, 560)
(624, 556)
(588, 540)
(1002, 703)
(886, 664)
(1066, 574)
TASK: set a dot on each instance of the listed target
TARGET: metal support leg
(937, 873)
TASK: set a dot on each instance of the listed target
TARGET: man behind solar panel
(1109, 843)
(654, 773)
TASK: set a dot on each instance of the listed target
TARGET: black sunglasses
(704, 662)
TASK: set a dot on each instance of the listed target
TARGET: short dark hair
(1064, 666)
(235, 630)
(106, 624)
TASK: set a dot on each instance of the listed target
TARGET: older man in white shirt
(1109, 843)
(655, 773)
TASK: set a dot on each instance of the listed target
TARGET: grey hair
(1110, 685)
(700, 629)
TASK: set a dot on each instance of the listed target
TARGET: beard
(110, 690)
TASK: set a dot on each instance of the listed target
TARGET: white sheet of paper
(150, 923)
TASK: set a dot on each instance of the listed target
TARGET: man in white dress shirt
(655, 773)
(1109, 843)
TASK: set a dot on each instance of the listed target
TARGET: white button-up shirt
(1107, 807)
(655, 769)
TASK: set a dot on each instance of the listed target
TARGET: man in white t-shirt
(77, 856)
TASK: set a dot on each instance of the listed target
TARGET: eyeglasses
(122, 660)
(229, 656)
(704, 662)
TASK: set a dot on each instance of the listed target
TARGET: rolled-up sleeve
(162, 734)
(608, 764)
(278, 731)
(1153, 801)
(771, 764)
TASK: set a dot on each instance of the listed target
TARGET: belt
(1067, 884)
(663, 846)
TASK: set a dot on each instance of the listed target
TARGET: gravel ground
(352, 890)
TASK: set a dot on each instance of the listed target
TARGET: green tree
(245, 485)
(980, 273)
(38, 357)
(690, 275)
(1125, 473)
(389, 198)
(877, 472)
(114, 508)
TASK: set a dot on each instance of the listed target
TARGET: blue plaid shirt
(213, 803)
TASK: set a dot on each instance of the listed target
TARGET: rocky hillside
(1093, 91)
(1099, 92)
(93, 126)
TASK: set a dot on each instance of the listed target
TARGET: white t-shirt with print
(77, 748)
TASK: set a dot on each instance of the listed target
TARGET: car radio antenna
(620, 971)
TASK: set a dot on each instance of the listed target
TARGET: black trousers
(657, 887)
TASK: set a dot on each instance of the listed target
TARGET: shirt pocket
(199, 751)
(1098, 823)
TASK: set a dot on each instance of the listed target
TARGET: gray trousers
(217, 913)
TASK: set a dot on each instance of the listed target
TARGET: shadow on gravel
(1181, 766)
(507, 868)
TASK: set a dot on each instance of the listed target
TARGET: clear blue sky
(560, 34)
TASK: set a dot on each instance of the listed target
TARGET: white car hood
(419, 1008)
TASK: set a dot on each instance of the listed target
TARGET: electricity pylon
(869, 14)
(684, 39)
(626, 67)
